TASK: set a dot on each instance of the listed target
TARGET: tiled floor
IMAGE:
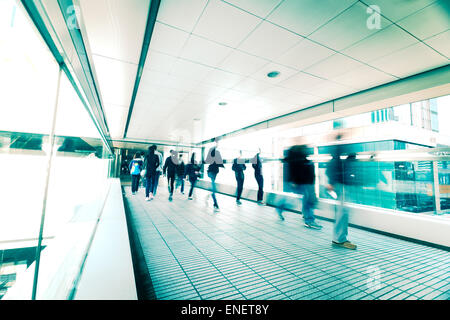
(246, 252)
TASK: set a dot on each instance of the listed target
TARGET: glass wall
(407, 186)
(47, 182)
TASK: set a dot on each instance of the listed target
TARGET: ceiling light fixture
(222, 103)
(273, 74)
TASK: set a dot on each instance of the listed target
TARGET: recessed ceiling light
(273, 74)
(222, 103)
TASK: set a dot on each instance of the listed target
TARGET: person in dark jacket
(151, 162)
(257, 165)
(193, 173)
(215, 161)
(170, 169)
(181, 174)
(301, 176)
(135, 167)
(238, 167)
(335, 187)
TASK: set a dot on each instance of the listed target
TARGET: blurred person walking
(257, 165)
(159, 170)
(301, 177)
(151, 163)
(181, 174)
(135, 167)
(215, 161)
(193, 173)
(336, 181)
(238, 167)
(169, 170)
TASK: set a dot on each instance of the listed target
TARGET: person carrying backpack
(135, 167)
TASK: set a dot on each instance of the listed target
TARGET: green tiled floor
(246, 252)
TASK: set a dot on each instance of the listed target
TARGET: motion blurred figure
(215, 161)
(301, 176)
(335, 187)
(257, 165)
(238, 167)
(180, 174)
(159, 170)
(136, 166)
(169, 169)
(193, 173)
(151, 163)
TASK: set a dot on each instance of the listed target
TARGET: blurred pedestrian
(301, 176)
(135, 167)
(169, 170)
(215, 161)
(150, 164)
(257, 165)
(159, 170)
(181, 174)
(238, 167)
(193, 173)
(336, 181)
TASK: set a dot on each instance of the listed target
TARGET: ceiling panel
(411, 60)
(190, 70)
(160, 62)
(223, 78)
(116, 79)
(182, 14)
(303, 17)
(204, 51)
(301, 81)
(269, 41)
(252, 86)
(330, 90)
(116, 117)
(441, 43)
(284, 73)
(304, 54)
(364, 77)
(166, 39)
(333, 66)
(225, 24)
(120, 31)
(398, 9)
(261, 8)
(348, 28)
(382, 43)
(429, 21)
(242, 63)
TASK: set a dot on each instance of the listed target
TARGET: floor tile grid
(247, 245)
(142, 208)
(230, 252)
(430, 267)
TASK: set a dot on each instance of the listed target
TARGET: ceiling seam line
(151, 21)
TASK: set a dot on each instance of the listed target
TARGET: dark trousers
(191, 190)
(155, 186)
(260, 181)
(150, 184)
(240, 186)
(213, 176)
(135, 182)
(180, 181)
(170, 182)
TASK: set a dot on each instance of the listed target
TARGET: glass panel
(28, 79)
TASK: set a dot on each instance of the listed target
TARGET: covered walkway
(246, 252)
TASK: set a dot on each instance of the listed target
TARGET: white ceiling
(203, 52)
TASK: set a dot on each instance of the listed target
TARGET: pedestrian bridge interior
(91, 85)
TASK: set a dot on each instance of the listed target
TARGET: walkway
(246, 252)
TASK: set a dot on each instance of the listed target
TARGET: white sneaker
(147, 199)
